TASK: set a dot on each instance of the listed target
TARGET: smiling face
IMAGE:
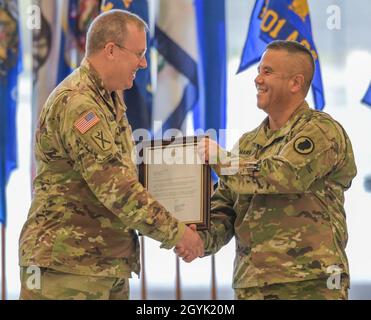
(273, 80)
(129, 57)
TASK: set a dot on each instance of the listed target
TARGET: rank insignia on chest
(245, 152)
(304, 145)
(87, 121)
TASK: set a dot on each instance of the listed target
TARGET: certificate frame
(201, 197)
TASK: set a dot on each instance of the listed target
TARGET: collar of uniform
(119, 103)
(97, 81)
(262, 139)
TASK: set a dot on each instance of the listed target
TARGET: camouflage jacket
(285, 204)
(87, 200)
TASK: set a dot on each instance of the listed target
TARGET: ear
(297, 83)
(108, 50)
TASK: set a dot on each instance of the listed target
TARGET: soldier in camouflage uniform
(285, 202)
(87, 201)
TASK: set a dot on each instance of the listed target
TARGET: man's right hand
(191, 245)
(208, 150)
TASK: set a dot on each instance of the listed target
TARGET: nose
(258, 79)
(143, 63)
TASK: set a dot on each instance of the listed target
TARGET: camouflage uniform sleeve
(311, 154)
(111, 175)
(222, 220)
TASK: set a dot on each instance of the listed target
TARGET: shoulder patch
(304, 145)
(101, 140)
(88, 120)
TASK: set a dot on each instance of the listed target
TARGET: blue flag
(367, 98)
(210, 113)
(212, 47)
(284, 20)
(139, 98)
(76, 18)
(10, 66)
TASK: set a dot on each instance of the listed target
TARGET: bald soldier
(285, 201)
(87, 203)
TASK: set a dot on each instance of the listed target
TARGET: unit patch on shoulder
(101, 140)
(304, 145)
(87, 121)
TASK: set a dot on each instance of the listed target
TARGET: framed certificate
(173, 173)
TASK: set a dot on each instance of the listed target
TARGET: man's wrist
(177, 236)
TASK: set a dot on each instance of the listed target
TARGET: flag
(367, 98)
(138, 99)
(284, 20)
(87, 121)
(10, 67)
(59, 45)
(45, 54)
(211, 33)
(191, 42)
(178, 83)
(76, 18)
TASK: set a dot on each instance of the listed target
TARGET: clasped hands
(191, 245)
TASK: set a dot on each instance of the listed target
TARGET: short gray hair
(296, 48)
(110, 26)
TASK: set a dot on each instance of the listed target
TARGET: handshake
(190, 246)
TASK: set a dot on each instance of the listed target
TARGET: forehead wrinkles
(277, 60)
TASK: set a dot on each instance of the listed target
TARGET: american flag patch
(87, 121)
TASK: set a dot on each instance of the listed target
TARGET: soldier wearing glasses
(87, 202)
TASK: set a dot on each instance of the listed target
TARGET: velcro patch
(304, 145)
(87, 121)
(101, 140)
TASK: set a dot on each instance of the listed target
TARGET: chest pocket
(124, 136)
(118, 132)
(248, 150)
(120, 142)
(124, 141)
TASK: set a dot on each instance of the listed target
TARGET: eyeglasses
(139, 56)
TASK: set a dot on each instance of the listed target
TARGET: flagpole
(213, 279)
(143, 273)
(178, 292)
(3, 275)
